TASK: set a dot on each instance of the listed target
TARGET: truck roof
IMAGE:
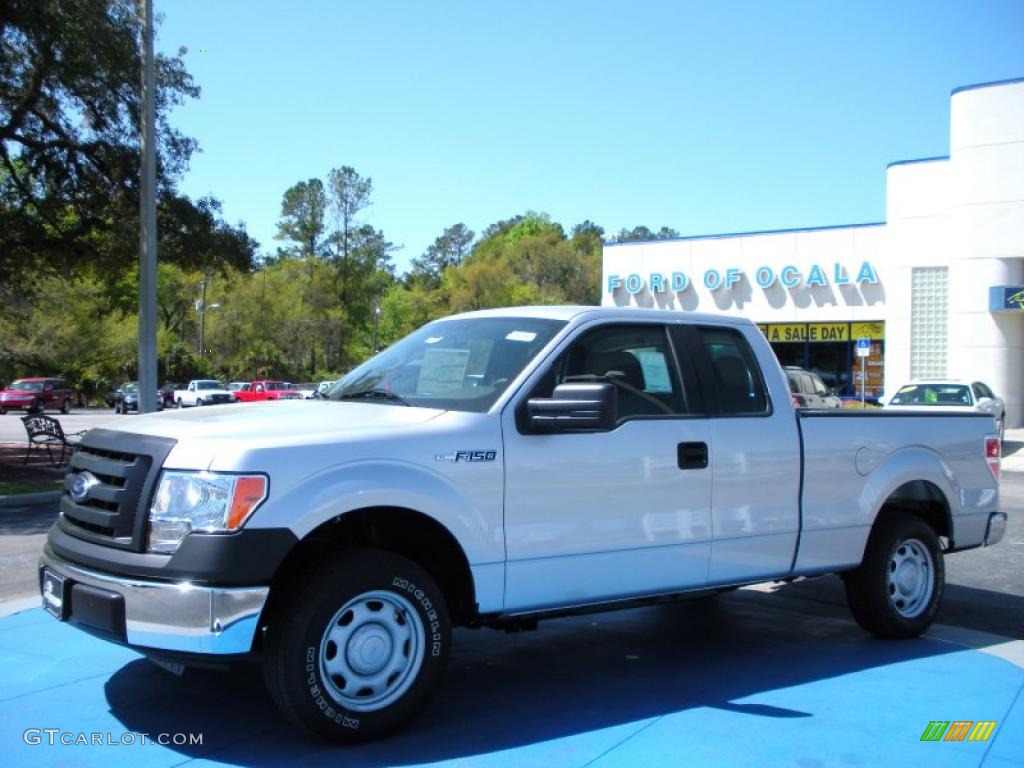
(569, 312)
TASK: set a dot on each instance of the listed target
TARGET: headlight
(201, 501)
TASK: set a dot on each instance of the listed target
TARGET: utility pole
(147, 226)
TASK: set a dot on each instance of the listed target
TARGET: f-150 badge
(458, 456)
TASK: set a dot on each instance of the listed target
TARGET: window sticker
(442, 371)
(521, 336)
(655, 370)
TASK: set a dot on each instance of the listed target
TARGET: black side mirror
(574, 407)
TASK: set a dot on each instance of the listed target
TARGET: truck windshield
(462, 364)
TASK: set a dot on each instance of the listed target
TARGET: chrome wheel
(911, 578)
(372, 651)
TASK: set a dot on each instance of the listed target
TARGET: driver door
(599, 516)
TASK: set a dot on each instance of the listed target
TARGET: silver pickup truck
(492, 469)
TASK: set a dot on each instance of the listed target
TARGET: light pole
(376, 319)
(201, 307)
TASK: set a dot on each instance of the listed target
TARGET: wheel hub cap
(911, 578)
(372, 651)
(369, 649)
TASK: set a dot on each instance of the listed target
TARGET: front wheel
(897, 589)
(199, 402)
(180, 404)
(356, 645)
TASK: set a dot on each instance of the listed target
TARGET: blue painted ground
(741, 680)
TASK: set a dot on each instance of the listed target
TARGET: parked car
(954, 395)
(809, 390)
(201, 392)
(126, 398)
(307, 389)
(268, 389)
(35, 395)
(324, 387)
(239, 386)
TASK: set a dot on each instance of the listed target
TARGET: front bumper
(168, 616)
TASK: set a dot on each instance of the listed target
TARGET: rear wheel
(40, 407)
(356, 645)
(897, 589)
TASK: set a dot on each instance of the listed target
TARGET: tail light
(993, 454)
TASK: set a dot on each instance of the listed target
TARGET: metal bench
(46, 431)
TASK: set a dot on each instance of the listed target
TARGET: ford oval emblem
(81, 485)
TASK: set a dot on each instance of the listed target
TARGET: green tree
(303, 209)
(641, 233)
(70, 98)
(448, 250)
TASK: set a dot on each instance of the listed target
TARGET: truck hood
(278, 422)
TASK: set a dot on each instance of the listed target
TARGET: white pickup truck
(203, 392)
(492, 469)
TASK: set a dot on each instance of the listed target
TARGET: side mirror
(574, 407)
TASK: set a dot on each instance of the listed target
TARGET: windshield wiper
(381, 394)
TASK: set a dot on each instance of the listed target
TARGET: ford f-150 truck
(491, 469)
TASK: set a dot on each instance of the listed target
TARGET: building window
(929, 321)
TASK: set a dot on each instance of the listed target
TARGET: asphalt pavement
(776, 674)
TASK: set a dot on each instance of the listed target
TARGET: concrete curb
(30, 499)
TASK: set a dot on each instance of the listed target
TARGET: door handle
(692, 455)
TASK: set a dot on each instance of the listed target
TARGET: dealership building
(936, 290)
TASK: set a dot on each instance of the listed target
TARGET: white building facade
(937, 289)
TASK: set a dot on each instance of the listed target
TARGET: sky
(706, 117)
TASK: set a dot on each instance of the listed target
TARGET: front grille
(122, 469)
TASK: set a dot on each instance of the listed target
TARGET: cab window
(636, 359)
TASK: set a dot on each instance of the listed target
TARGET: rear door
(754, 457)
(596, 516)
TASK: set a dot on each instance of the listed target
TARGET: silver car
(956, 395)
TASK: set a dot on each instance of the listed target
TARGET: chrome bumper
(996, 528)
(174, 616)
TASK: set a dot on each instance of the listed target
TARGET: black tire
(180, 404)
(364, 598)
(3, 411)
(65, 407)
(40, 407)
(117, 408)
(199, 402)
(897, 590)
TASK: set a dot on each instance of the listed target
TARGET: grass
(14, 487)
(17, 477)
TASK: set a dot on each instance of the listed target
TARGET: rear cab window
(730, 377)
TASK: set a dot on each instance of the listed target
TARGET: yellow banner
(812, 332)
(873, 331)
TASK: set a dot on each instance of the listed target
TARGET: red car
(35, 395)
(268, 389)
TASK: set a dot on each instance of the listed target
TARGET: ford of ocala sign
(764, 277)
